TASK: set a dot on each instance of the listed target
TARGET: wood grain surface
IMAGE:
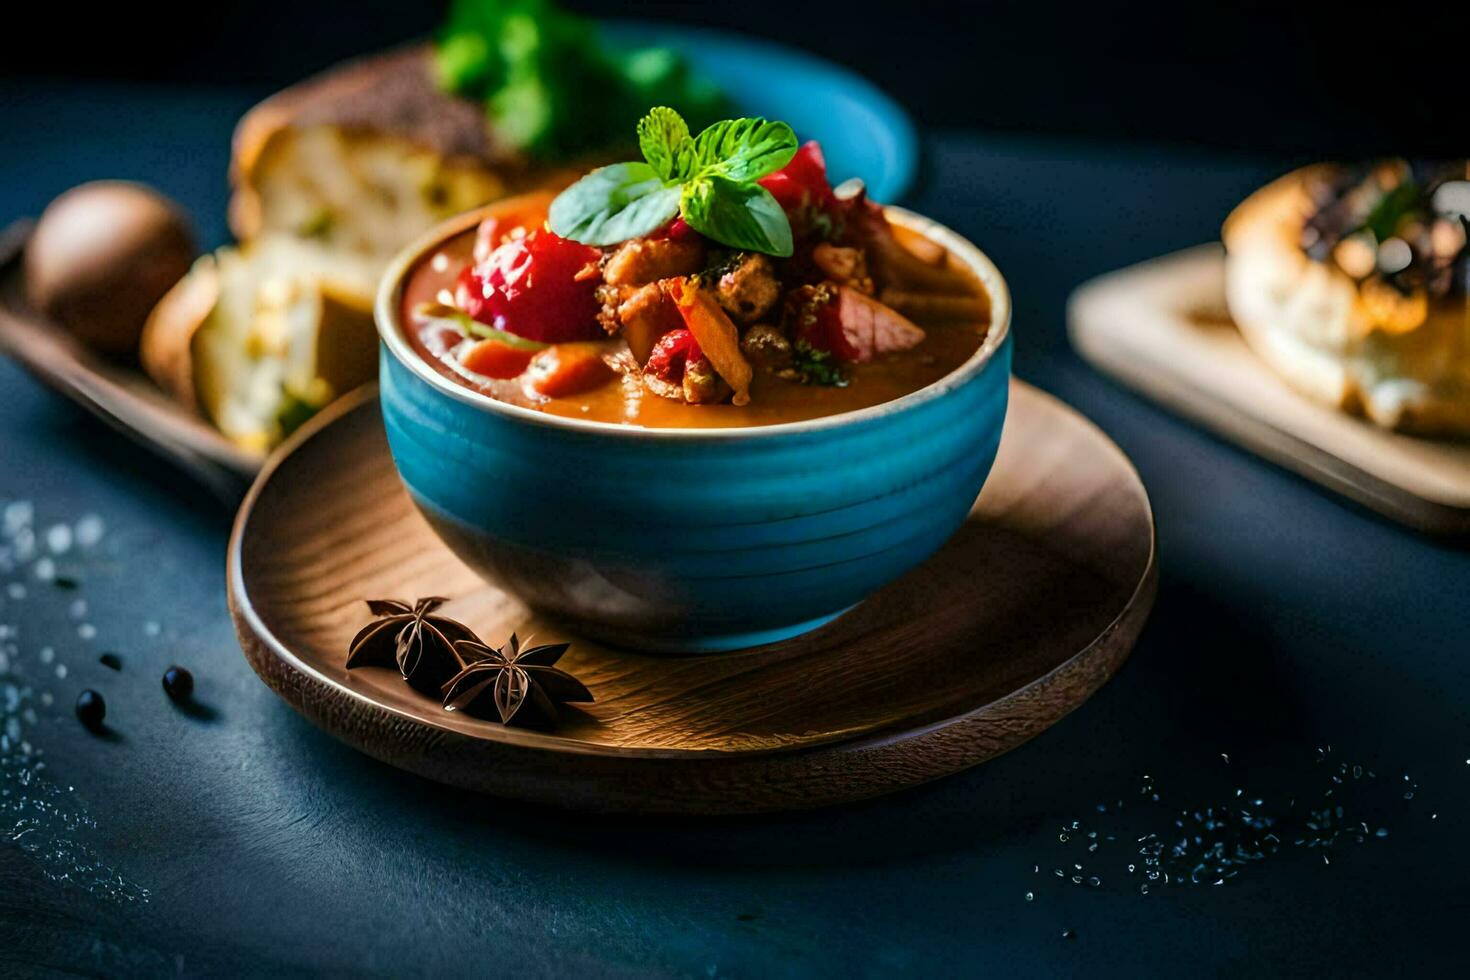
(117, 392)
(1027, 611)
(1162, 328)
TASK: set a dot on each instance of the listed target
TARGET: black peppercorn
(178, 683)
(91, 709)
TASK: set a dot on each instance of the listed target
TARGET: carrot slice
(497, 359)
(568, 369)
(717, 337)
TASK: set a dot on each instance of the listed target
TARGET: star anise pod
(520, 687)
(407, 637)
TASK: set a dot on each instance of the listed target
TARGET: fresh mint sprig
(709, 180)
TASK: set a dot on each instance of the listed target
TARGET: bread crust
(390, 94)
(168, 335)
(1309, 321)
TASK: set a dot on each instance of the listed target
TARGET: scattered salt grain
(17, 514)
(151, 628)
(15, 590)
(44, 569)
(77, 609)
(24, 544)
(89, 530)
(86, 631)
(58, 539)
(1208, 845)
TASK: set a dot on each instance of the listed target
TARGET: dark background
(1288, 622)
(1293, 76)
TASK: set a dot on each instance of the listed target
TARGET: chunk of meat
(702, 386)
(917, 263)
(647, 314)
(609, 298)
(765, 345)
(749, 290)
(931, 306)
(854, 326)
(843, 264)
(717, 337)
(646, 260)
(568, 369)
(871, 328)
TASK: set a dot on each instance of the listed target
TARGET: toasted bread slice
(258, 338)
(428, 154)
(1314, 325)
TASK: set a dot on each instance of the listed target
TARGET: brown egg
(101, 256)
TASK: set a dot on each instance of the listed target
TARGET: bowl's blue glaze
(694, 540)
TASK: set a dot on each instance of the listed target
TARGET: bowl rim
(391, 333)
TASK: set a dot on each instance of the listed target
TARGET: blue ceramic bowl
(693, 540)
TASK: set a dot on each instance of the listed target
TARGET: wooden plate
(117, 392)
(1162, 328)
(1028, 610)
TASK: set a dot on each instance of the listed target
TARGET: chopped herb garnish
(294, 411)
(710, 180)
(469, 327)
(817, 367)
(319, 225)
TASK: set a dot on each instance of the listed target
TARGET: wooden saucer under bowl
(1015, 622)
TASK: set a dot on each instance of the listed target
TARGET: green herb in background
(551, 86)
(709, 180)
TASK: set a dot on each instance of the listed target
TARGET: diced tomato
(568, 369)
(677, 230)
(803, 181)
(537, 287)
(670, 355)
(821, 327)
(497, 359)
(527, 214)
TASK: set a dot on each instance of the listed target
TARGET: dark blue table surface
(1295, 637)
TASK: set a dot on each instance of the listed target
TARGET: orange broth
(625, 399)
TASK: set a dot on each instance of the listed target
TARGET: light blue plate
(864, 133)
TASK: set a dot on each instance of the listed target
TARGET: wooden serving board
(1024, 614)
(1162, 328)
(117, 392)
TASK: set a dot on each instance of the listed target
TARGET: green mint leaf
(743, 216)
(613, 204)
(743, 149)
(664, 138)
